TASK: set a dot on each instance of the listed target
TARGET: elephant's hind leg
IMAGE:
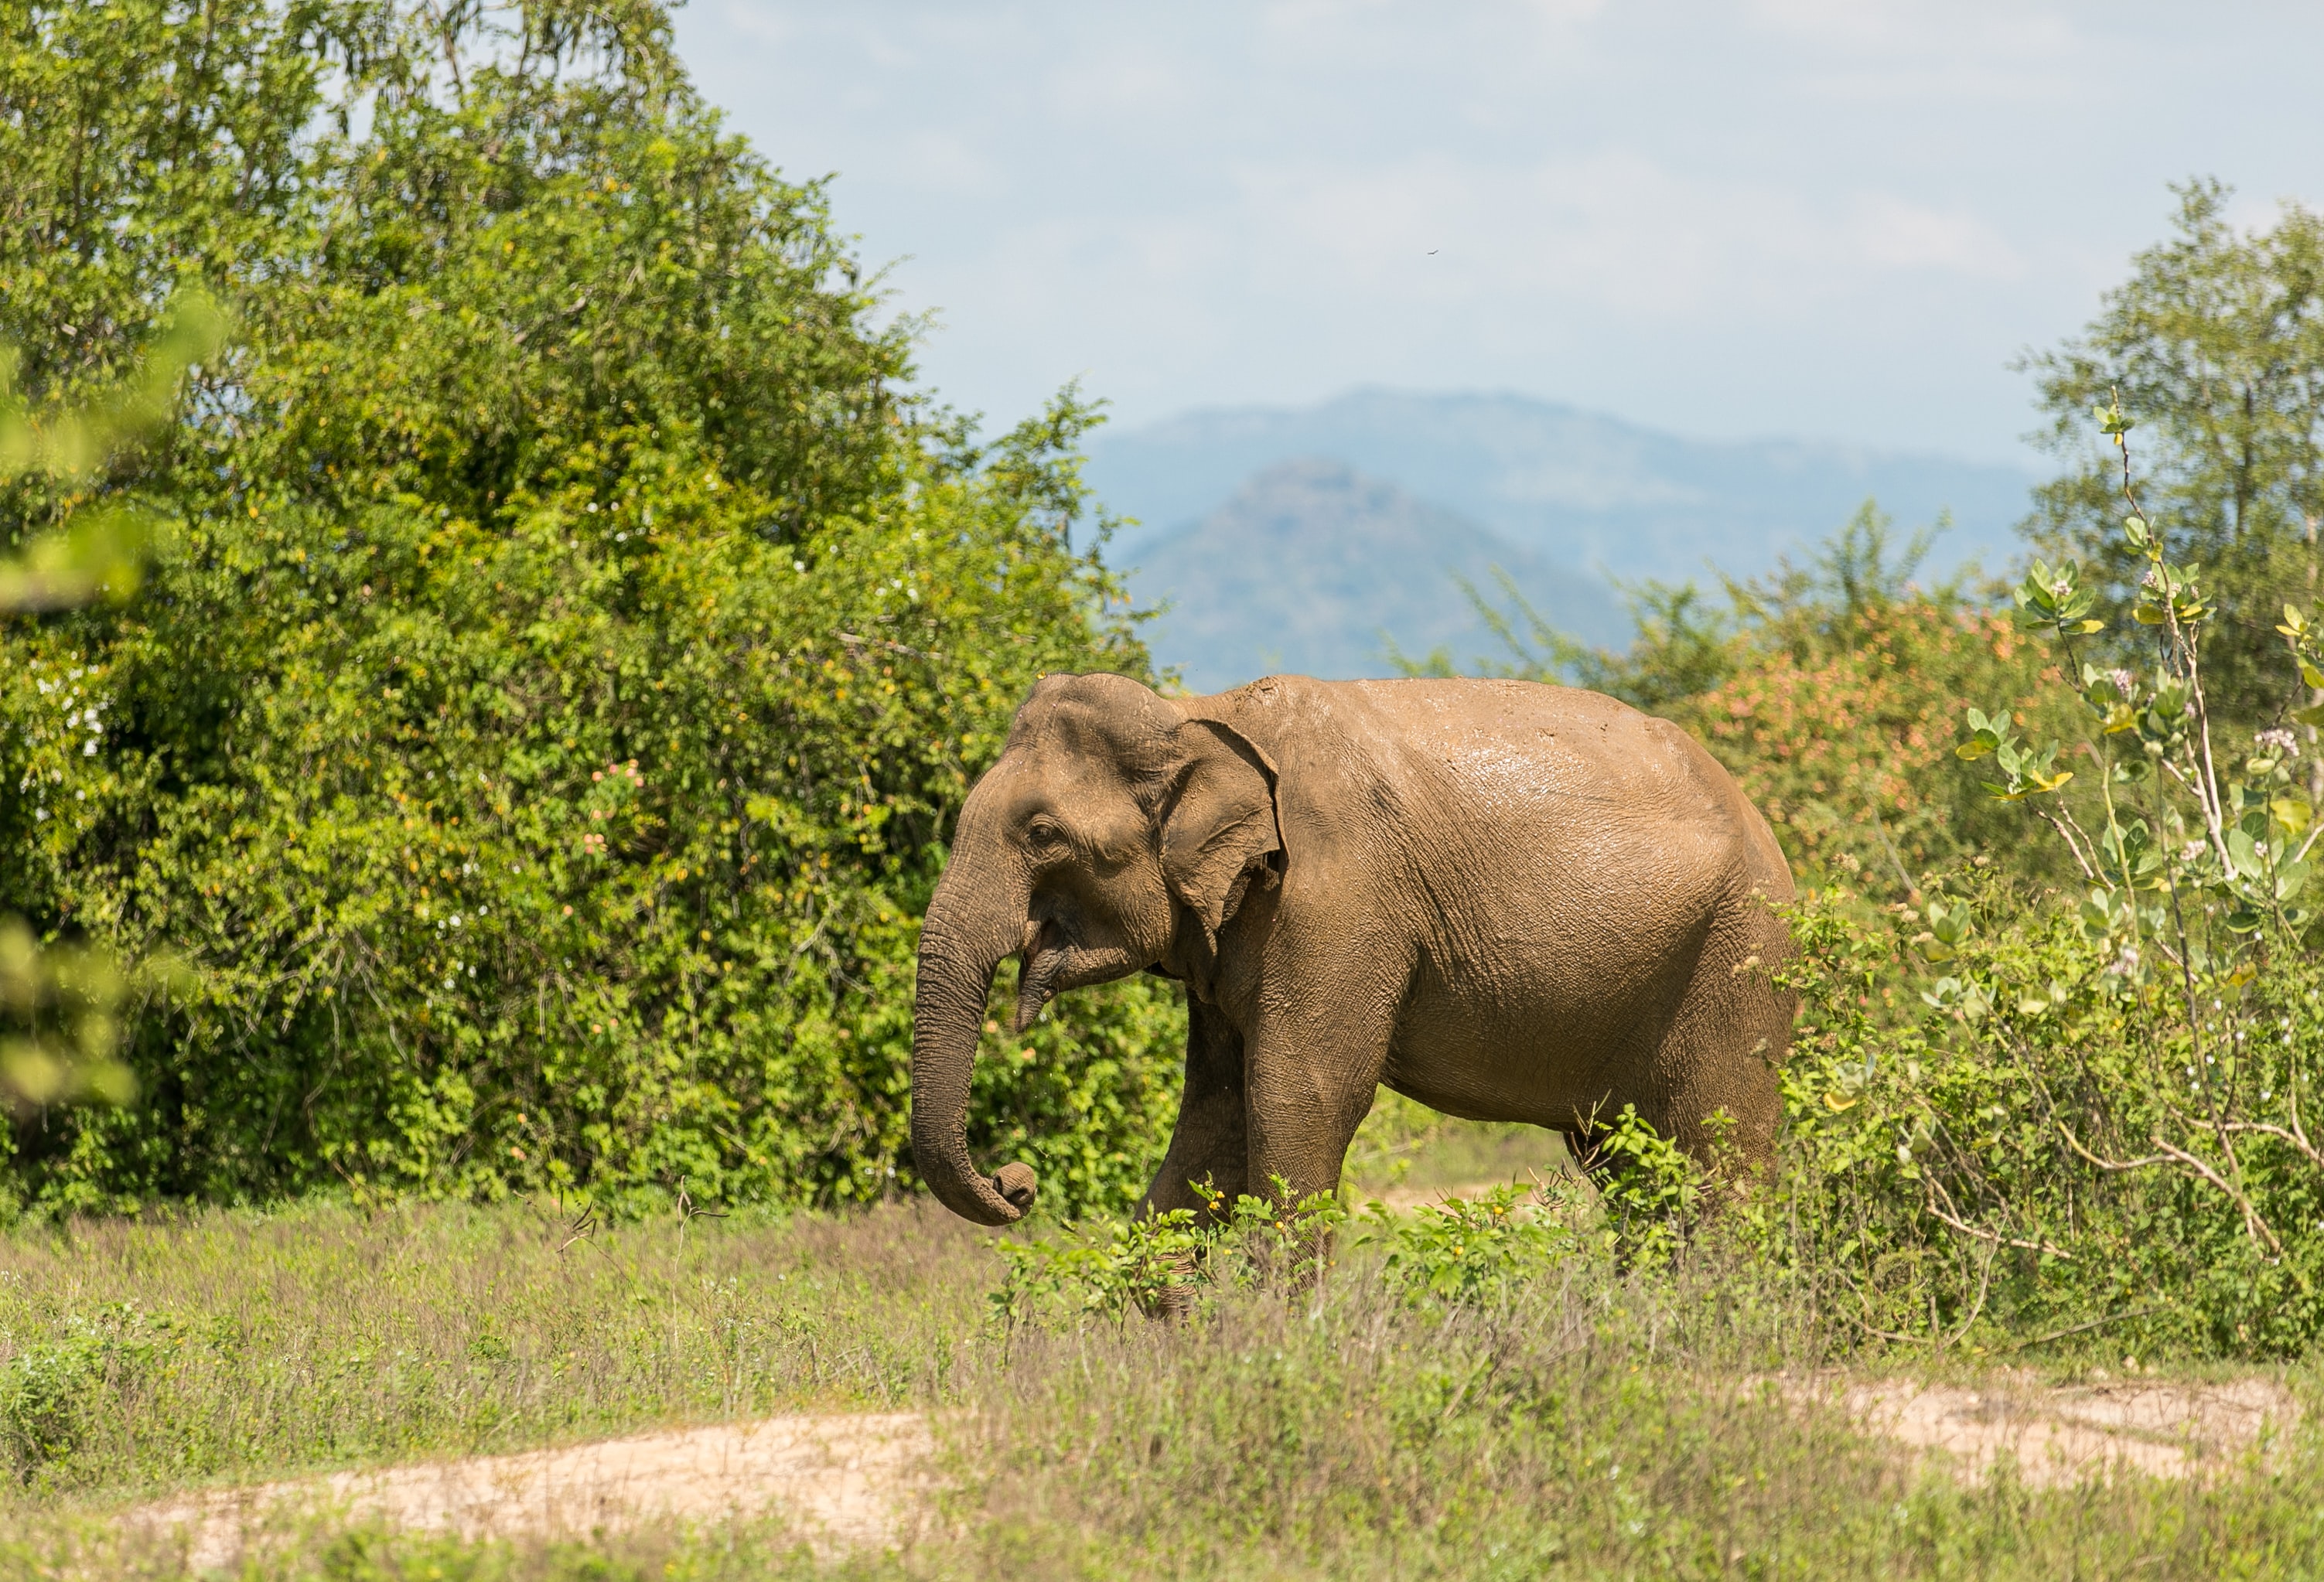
(1210, 1144)
(1718, 1057)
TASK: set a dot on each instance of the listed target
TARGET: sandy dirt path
(2061, 1435)
(841, 1481)
(849, 1480)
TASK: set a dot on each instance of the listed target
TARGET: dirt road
(842, 1480)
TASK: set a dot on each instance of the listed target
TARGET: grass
(137, 1357)
(1597, 1421)
(1405, 1147)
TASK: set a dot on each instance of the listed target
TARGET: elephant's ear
(1220, 824)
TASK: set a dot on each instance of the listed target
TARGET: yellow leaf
(1836, 1103)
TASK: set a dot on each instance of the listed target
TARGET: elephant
(1507, 900)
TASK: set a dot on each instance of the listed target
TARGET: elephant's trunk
(958, 956)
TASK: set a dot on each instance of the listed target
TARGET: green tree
(565, 641)
(2215, 344)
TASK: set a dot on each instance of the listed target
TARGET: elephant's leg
(1709, 1084)
(1313, 1080)
(1210, 1143)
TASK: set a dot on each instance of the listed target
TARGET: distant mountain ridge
(1577, 488)
(1560, 497)
(1312, 567)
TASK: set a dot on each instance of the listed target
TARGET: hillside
(1575, 489)
(1311, 567)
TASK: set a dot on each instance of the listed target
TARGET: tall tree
(2216, 345)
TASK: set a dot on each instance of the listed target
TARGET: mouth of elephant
(1052, 961)
(1038, 967)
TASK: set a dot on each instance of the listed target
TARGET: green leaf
(2243, 852)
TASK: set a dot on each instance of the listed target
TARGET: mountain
(1312, 567)
(1574, 488)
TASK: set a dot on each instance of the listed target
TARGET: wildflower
(2282, 741)
(2123, 682)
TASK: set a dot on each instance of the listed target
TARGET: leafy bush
(564, 648)
(1164, 1263)
(1460, 1250)
(2096, 1116)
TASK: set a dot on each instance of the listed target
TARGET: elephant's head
(1114, 833)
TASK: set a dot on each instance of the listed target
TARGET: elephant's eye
(1045, 834)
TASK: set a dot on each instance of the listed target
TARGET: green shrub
(1465, 1251)
(2086, 1112)
(1166, 1263)
(565, 645)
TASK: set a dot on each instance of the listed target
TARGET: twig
(2073, 845)
(1984, 1284)
(2294, 1137)
(852, 641)
(2140, 1312)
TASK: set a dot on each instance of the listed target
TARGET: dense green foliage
(2058, 949)
(564, 642)
(2097, 1115)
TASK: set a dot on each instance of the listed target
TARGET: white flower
(2284, 741)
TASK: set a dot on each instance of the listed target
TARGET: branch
(2073, 845)
(2136, 1312)
(2296, 1138)
(1992, 1235)
(2115, 1165)
(2254, 1226)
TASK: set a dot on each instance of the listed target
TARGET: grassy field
(1592, 1422)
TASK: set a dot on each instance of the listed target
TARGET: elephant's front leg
(1211, 1143)
(1315, 1069)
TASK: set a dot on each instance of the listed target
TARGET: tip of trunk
(1001, 1198)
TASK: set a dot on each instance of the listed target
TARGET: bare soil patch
(2059, 1436)
(842, 1481)
(848, 1481)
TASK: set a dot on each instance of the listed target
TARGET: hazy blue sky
(1831, 217)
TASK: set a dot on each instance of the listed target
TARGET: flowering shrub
(1847, 747)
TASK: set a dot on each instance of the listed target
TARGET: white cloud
(1834, 214)
(1896, 234)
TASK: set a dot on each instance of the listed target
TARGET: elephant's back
(1526, 750)
(1504, 783)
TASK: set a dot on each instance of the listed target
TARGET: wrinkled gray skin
(1508, 901)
